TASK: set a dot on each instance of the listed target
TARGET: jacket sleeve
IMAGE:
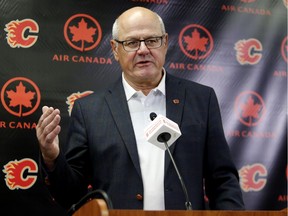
(67, 182)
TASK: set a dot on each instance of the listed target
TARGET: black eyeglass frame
(144, 40)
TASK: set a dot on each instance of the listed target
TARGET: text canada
(18, 125)
(81, 59)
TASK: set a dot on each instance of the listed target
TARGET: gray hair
(115, 27)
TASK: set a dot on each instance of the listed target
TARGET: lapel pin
(176, 101)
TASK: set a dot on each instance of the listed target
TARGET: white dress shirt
(151, 157)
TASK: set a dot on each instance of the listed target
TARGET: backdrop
(53, 52)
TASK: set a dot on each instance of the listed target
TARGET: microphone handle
(187, 203)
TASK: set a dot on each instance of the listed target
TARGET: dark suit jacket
(102, 151)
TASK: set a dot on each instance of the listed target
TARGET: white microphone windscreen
(160, 125)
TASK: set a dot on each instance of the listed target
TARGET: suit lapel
(116, 100)
(117, 103)
(175, 95)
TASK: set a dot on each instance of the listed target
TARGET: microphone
(153, 115)
(163, 136)
(90, 195)
(163, 130)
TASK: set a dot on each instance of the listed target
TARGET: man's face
(143, 65)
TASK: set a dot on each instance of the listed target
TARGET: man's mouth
(143, 63)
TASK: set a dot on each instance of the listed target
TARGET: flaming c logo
(196, 41)
(82, 32)
(22, 33)
(248, 51)
(253, 177)
(71, 99)
(19, 101)
(20, 174)
(250, 108)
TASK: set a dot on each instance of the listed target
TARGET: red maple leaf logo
(251, 109)
(20, 97)
(195, 42)
(82, 33)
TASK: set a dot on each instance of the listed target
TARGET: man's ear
(165, 43)
(166, 40)
(114, 47)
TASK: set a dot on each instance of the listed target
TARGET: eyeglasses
(134, 45)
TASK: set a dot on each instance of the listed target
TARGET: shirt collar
(129, 91)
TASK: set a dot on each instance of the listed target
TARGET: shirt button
(139, 197)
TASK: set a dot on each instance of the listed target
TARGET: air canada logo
(246, 8)
(250, 108)
(248, 51)
(71, 99)
(20, 174)
(284, 49)
(253, 177)
(20, 96)
(195, 42)
(23, 33)
(82, 32)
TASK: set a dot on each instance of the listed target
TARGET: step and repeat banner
(53, 52)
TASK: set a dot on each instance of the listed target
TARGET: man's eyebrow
(144, 38)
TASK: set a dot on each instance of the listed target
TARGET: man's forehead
(139, 29)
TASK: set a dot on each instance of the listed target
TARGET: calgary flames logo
(20, 174)
(21, 33)
(248, 51)
(71, 99)
(253, 178)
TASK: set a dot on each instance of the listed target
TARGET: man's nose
(143, 47)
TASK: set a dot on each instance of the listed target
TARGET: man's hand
(47, 131)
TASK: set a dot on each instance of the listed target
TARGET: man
(106, 145)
